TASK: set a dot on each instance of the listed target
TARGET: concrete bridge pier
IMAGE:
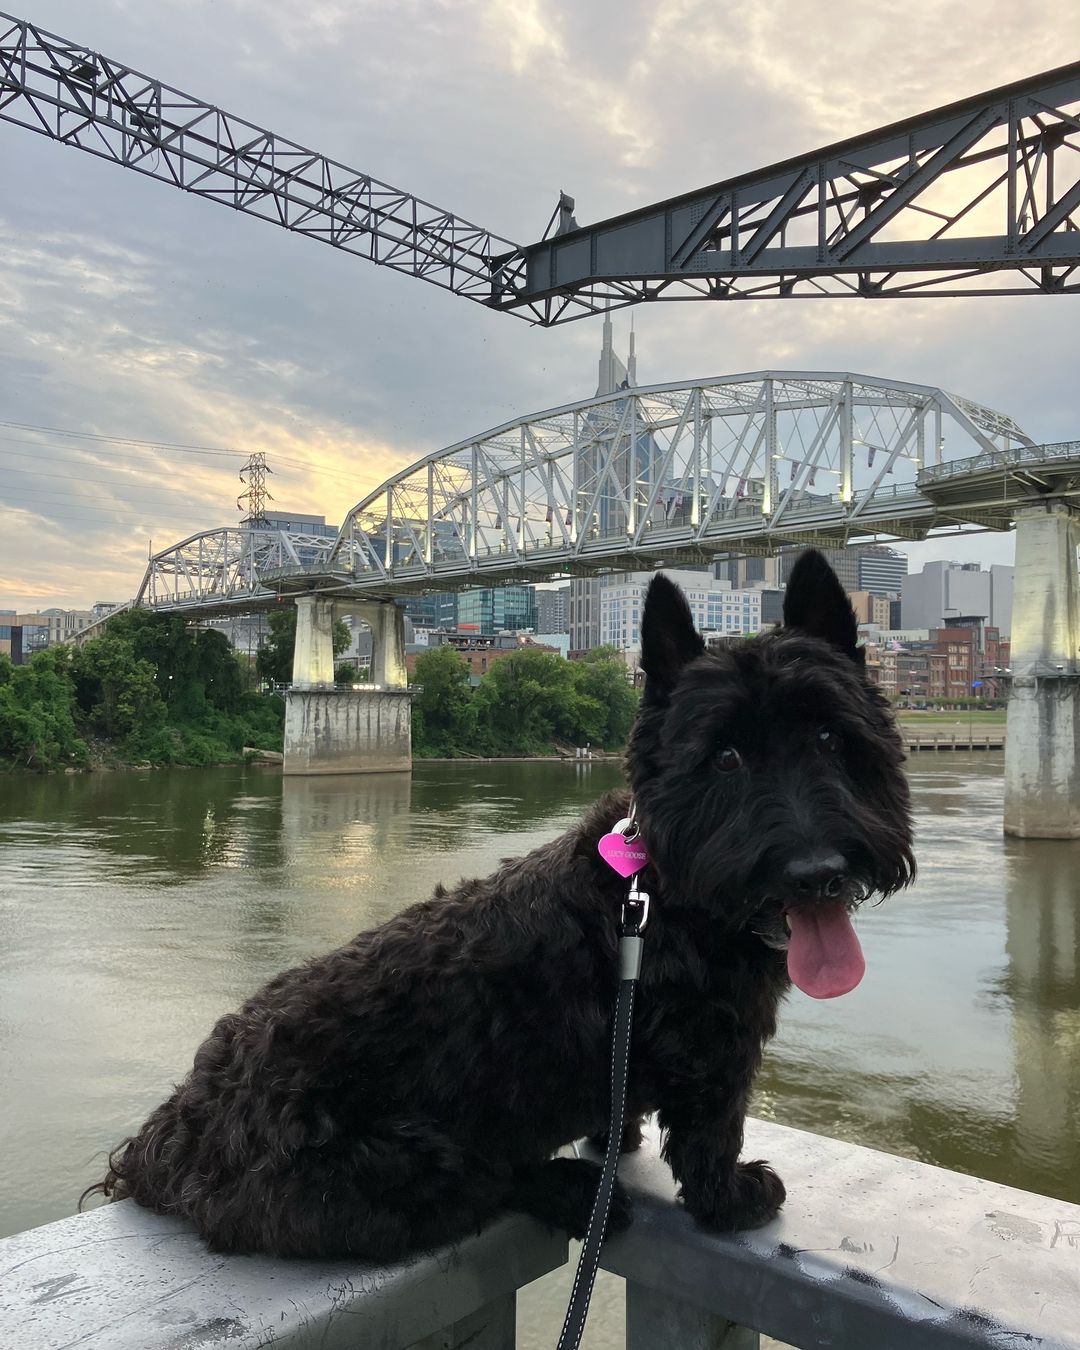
(330, 730)
(387, 624)
(313, 653)
(1042, 750)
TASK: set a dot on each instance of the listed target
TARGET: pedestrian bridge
(666, 474)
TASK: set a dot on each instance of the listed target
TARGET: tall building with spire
(606, 507)
(613, 374)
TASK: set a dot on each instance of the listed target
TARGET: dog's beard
(741, 887)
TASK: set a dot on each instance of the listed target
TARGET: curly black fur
(397, 1093)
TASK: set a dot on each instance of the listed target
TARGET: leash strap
(634, 915)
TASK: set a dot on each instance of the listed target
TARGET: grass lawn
(948, 721)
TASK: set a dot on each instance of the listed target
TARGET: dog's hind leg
(631, 1136)
(561, 1193)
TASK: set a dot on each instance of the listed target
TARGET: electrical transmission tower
(253, 500)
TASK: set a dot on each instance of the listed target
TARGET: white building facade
(717, 607)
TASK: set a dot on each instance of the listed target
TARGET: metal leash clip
(635, 915)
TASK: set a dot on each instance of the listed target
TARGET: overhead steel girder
(83, 99)
(981, 197)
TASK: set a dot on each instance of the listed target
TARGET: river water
(135, 908)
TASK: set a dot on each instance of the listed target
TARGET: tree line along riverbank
(151, 691)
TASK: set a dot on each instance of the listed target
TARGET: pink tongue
(824, 957)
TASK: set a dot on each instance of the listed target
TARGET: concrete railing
(871, 1252)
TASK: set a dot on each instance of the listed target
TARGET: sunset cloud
(130, 310)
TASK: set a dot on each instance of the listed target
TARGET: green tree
(275, 659)
(166, 642)
(217, 668)
(607, 701)
(525, 703)
(117, 692)
(149, 689)
(37, 713)
(442, 709)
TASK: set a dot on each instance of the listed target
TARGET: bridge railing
(871, 1252)
(1002, 459)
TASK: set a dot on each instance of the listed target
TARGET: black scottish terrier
(399, 1092)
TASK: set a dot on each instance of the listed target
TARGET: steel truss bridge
(981, 197)
(664, 475)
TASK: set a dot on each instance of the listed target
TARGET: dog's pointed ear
(668, 636)
(816, 603)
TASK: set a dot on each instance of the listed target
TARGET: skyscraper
(552, 610)
(881, 570)
(495, 609)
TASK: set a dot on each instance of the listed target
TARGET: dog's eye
(729, 760)
(829, 740)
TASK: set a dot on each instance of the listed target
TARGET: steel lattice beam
(89, 101)
(979, 198)
(641, 478)
(219, 571)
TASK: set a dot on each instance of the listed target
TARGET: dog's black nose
(816, 876)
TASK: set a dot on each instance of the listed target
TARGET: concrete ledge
(871, 1252)
(121, 1278)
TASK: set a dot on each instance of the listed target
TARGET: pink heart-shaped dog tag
(625, 856)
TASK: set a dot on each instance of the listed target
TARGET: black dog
(399, 1092)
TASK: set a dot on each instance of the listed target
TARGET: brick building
(870, 608)
(943, 667)
(479, 651)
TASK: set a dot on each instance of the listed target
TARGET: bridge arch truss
(222, 571)
(672, 473)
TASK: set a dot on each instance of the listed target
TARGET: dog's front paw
(562, 1193)
(746, 1198)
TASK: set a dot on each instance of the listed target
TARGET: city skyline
(130, 311)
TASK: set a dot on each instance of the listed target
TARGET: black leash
(634, 914)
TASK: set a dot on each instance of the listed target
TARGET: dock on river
(975, 738)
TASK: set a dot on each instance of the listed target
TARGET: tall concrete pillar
(347, 731)
(387, 624)
(313, 655)
(1042, 751)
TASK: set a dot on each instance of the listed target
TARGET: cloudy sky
(130, 312)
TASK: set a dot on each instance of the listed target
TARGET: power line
(122, 440)
(77, 478)
(67, 459)
(125, 506)
(76, 509)
(119, 499)
(167, 446)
